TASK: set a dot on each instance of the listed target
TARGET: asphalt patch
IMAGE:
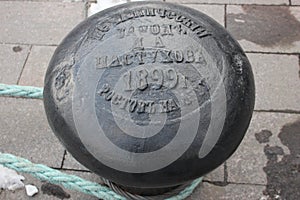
(283, 177)
(265, 25)
(54, 190)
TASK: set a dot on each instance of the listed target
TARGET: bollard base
(150, 191)
(146, 193)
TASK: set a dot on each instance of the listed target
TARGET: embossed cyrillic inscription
(153, 29)
(104, 26)
(151, 55)
(137, 105)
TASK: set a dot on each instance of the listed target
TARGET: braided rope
(53, 176)
(71, 182)
(21, 91)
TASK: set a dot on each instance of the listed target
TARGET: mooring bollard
(149, 95)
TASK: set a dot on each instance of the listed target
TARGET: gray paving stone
(265, 28)
(98, 6)
(248, 162)
(12, 58)
(36, 66)
(25, 132)
(209, 191)
(216, 175)
(214, 11)
(263, 2)
(103, 4)
(295, 2)
(277, 81)
(38, 22)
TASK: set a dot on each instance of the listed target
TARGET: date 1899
(157, 78)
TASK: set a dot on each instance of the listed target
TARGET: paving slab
(263, 2)
(216, 175)
(214, 11)
(265, 28)
(38, 22)
(36, 66)
(12, 59)
(295, 2)
(25, 132)
(98, 6)
(277, 81)
(103, 4)
(209, 191)
(251, 161)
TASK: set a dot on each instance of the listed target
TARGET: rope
(72, 182)
(53, 176)
(21, 91)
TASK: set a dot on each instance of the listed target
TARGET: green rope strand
(72, 182)
(21, 91)
(187, 191)
(53, 176)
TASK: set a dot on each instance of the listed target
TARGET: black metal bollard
(149, 94)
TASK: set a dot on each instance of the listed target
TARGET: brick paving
(265, 165)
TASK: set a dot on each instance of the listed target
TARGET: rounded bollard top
(149, 94)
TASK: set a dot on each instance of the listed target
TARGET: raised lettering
(138, 44)
(115, 62)
(159, 43)
(167, 30)
(143, 28)
(155, 29)
(101, 62)
(105, 88)
(166, 58)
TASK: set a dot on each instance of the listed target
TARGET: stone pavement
(266, 166)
